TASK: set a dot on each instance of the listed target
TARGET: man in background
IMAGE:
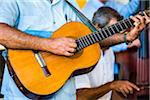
(99, 81)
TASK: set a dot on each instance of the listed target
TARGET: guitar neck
(103, 33)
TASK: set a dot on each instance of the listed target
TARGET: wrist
(111, 86)
(45, 44)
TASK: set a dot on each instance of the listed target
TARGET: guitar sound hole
(77, 54)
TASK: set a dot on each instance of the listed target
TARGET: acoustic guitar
(39, 73)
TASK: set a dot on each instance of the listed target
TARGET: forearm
(132, 34)
(93, 93)
(112, 40)
(13, 38)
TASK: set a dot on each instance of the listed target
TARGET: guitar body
(28, 74)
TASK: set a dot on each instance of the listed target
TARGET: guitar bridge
(42, 63)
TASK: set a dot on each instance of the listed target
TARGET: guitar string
(90, 37)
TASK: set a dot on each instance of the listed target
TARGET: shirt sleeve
(131, 8)
(120, 47)
(8, 12)
(82, 81)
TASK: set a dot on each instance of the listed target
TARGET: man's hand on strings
(62, 46)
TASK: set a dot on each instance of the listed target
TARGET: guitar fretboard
(103, 33)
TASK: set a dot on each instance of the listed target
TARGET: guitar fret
(101, 34)
(95, 37)
(84, 40)
(116, 28)
(105, 33)
(98, 35)
(91, 35)
(108, 31)
(125, 24)
(130, 22)
(112, 30)
(87, 40)
(82, 44)
(79, 48)
(79, 45)
(86, 43)
(120, 25)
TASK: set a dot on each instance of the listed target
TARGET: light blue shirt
(125, 10)
(91, 7)
(39, 18)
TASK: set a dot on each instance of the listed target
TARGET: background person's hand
(135, 43)
(125, 87)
